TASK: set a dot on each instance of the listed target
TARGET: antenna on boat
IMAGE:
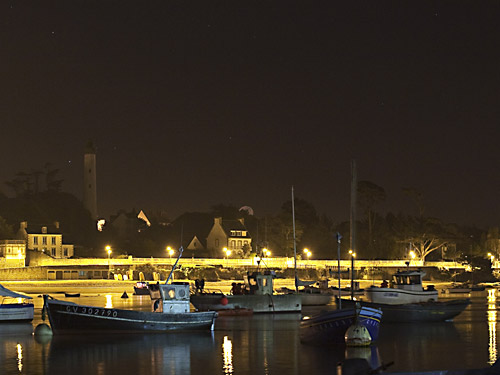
(181, 249)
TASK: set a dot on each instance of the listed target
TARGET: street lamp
(108, 250)
(353, 255)
(226, 254)
(170, 251)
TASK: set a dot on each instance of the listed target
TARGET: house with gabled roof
(230, 234)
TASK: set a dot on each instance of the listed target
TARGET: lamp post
(108, 250)
(308, 253)
(170, 252)
(339, 238)
(226, 254)
(353, 255)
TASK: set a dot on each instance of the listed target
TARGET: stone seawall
(23, 273)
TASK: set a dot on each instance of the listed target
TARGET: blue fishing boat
(331, 326)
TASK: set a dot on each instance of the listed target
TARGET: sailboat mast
(352, 237)
(294, 243)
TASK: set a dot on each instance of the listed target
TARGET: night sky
(195, 103)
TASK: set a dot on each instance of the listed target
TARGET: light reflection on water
(492, 326)
(227, 352)
(20, 357)
(259, 344)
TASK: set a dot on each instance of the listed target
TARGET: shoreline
(120, 286)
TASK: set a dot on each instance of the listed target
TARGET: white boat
(15, 307)
(406, 287)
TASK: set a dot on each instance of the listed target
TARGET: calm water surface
(259, 344)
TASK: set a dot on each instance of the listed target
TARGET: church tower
(89, 180)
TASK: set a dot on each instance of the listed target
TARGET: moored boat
(406, 300)
(15, 307)
(433, 311)
(406, 287)
(171, 312)
(256, 295)
(141, 288)
(331, 326)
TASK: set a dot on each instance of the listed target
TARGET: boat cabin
(170, 298)
(408, 280)
(259, 283)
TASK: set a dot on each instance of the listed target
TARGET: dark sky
(194, 103)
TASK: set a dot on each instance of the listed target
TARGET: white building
(46, 239)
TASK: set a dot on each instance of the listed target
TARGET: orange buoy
(223, 301)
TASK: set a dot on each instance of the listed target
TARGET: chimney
(44, 230)
(218, 220)
(56, 224)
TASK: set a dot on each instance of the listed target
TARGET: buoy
(357, 335)
(125, 295)
(42, 331)
(224, 301)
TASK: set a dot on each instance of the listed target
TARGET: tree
(424, 235)
(6, 230)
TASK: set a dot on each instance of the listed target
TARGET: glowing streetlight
(108, 250)
(170, 251)
(412, 254)
(227, 253)
(266, 252)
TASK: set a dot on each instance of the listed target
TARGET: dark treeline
(378, 236)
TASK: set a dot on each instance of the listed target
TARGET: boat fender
(224, 301)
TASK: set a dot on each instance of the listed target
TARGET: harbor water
(258, 344)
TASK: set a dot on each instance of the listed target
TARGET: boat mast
(352, 237)
(294, 244)
(339, 238)
(175, 265)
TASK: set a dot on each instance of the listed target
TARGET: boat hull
(16, 312)
(141, 291)
(435, 311)
(399, 296)
(67, 317)
(258, 303)
(331, 326)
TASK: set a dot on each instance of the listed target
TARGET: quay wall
(278, 263)
(47, 268)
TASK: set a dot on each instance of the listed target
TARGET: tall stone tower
(89, 180)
